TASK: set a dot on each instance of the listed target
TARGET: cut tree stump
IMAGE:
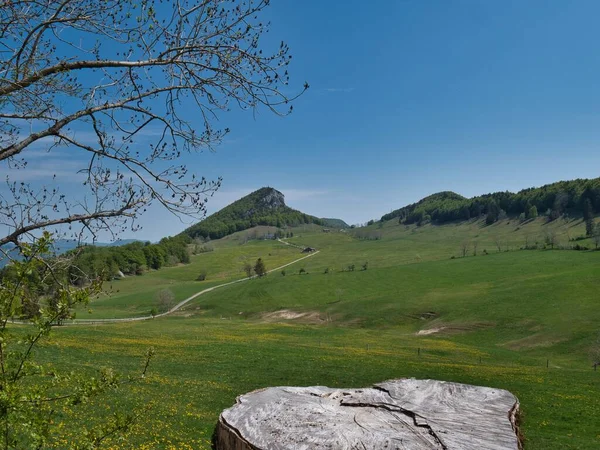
(396, 414)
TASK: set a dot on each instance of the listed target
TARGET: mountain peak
(270, 198)
(266, 206)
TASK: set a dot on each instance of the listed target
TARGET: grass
(522, 320)
(136, 295)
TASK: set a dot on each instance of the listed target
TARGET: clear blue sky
(411, 97)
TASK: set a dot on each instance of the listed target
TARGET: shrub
(201, 276)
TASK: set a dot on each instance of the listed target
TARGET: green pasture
(523, 320)
(136, 295)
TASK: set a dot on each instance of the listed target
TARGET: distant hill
(334, 223)
(577, 198)
(265, 206)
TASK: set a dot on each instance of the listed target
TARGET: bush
(301, 271)
(326, 271)
(166, 300)
(202, 276)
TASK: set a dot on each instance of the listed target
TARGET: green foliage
(36, 289)
(91, 262)
(201, 276)
(262, 207)
(259, 268)
(532, 212)
(335, 223)
(557, 198)
(588, 217)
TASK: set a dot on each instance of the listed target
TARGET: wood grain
(396, 414)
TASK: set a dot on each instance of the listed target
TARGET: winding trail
(182, 303)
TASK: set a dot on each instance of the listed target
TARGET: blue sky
(412, 97)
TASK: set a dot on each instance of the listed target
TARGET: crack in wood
(405, 413)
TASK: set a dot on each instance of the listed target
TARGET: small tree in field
(551, 239)
(465, 248)
(259, 268)
(166, 300)
(596, 235)
(498, 243)
(248, 269)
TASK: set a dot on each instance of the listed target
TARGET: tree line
(577, 198)
(106, 263)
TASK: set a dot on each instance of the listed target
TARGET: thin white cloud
(63, 170)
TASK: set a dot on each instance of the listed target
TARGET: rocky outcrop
(272, 199)
(397, 414)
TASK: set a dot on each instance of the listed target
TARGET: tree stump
(396, 414)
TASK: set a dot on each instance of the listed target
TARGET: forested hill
(263, 207)
(577, 198)
(334, 223)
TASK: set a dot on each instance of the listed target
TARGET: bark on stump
(396, 414)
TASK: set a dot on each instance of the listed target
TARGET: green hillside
(265, 206)
(512, 304)
(334, 223)
(574, 198)
(522, 320)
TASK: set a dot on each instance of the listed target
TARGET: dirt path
(181, 304)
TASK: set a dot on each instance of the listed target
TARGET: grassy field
(522, 320)
(137, 295)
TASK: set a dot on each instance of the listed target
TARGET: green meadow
(523, 320)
